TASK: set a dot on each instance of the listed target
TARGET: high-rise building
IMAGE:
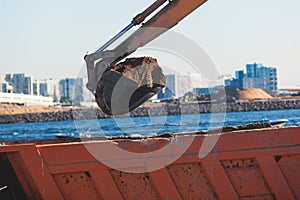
(43, 88)
(20, 83)
(170, 90)
(264, 77)
(71, 90)
(4, 85)
(256, 76)
(28, 85)
(6, 88)
(2, 80)
(252, 70)
(36, 87)
(8, 78)
(17, 82)
(50, 88)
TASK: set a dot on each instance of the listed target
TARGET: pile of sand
(247, 94)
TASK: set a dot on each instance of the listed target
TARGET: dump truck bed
(244, 164)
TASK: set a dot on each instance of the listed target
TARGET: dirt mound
(142, 70)
(247, 94)
(127, 85)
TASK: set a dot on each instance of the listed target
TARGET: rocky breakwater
(263, 105)
(65, 115)
(209, 107)
(36, 117)
(154, 109)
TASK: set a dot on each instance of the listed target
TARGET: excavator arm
(169, 14)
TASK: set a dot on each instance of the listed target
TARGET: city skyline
(254, 76)
(68, 91)
(49, 39)
(203, 80)
(184, 82)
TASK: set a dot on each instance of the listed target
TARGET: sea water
(145, 126)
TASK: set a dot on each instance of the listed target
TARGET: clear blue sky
(47, 39)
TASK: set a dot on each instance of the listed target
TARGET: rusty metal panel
(246, 177)
(134, 186)
(290, 168)
(78, 185)
(191, 181)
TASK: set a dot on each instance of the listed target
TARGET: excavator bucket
(129, 84)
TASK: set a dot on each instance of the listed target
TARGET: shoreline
(79, 113)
